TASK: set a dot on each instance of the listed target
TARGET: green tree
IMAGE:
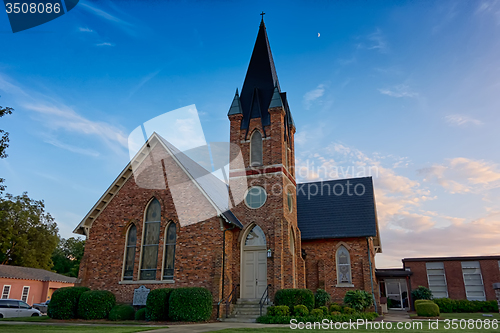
(28, 234)
(4, 141)
(67, 256)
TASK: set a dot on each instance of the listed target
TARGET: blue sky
(408, 88)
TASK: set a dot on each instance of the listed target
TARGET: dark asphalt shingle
(28, 273)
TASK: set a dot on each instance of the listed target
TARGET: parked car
(42, 307)
(10, 308)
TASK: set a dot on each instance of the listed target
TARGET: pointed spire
(276, 100)
(236, 105)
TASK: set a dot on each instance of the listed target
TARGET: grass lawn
(46, 319)
(469, 316)
(424, 328)
(6, 328)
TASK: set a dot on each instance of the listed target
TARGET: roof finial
(262, 14)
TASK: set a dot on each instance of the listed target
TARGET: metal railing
(227, 301)
(264, 298)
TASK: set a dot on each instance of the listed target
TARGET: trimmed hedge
(157, 304)
(96, 304)
(292, 297)
(427, 309)
(317, 313)
(278, 310)
(311, 319)
(420, 301)
(348, 310)
(335, 308)
(325, 310)
(321, 298)
(300, 310)
(122, 312)
(64, 302)
(190, 304)
(447, 305)
(140, 314)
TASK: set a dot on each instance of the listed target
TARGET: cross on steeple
(262, 14)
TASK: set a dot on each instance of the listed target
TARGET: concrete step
(240, 320)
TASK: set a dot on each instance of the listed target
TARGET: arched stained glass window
(256, 237)
(343, 266)
(128, 272)
(256, 149)
(151, 240)
(169, 260)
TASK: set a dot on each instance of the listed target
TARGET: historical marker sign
(140, 295)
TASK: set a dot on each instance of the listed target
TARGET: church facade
(281, 235)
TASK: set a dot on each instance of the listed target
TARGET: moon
(318, 34)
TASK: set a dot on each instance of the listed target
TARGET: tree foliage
(67, 256)
(4, 141)
(28, 234)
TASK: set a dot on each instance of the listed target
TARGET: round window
(256, 197)
(289, 198)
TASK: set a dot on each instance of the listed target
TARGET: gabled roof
(332, 209)
(215, 190)
(28, 273)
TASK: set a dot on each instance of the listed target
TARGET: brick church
(281, 234)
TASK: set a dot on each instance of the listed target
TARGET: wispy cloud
(105, 44)
(118, 22)
(59, 117)
(313, 95)
(85, 29)
(143, 82)
(377, 41)
(401, 90)
(461, 120)
(490, 8)
(463, 175)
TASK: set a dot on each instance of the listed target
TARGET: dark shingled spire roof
(261, 83)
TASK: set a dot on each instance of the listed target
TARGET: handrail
(227, 300)
(262, 299)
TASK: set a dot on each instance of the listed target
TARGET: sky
(408, 91)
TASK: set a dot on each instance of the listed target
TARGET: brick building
(166, 221)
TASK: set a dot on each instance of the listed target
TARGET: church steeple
(260, 81)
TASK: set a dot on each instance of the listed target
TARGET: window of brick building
(151, 239)
(169, 260)
(26, 291)
(5, 292)
(343, 266)
(256, 149)
(437, 279)
(473, 280)
(128, 271)
(256, 197)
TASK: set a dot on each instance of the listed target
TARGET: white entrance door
(254, 264)
(255, 273)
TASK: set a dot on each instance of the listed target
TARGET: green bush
(325, 310)
(311, 319)
(447, 305)
(421, 293)
(140, 314)
(334, 313)
(278, 310)
(300, 310)
(348, 310)
(190, 304)
(420, 301)
(427, 309)
(96, 304)
(64, 302)
(359, 300)
(321, 298)
(122, 312)
(292, 297)
(335, 308)
(157, 304)
(317, 313)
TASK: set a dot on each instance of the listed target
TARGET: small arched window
(256, 237)
(169, 260)
(128, 271)
(343, 266)
(256, 149)
(151, 239)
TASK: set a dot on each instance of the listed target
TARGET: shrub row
(80, 302)
(315, 318)
(293, 297)
(122, 312)
(447, 305)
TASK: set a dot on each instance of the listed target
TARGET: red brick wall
(454, 277)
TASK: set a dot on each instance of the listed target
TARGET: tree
(28, 234)
(4, 141)
(67, 256)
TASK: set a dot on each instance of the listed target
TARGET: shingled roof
(337, 209)
(28, 273)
